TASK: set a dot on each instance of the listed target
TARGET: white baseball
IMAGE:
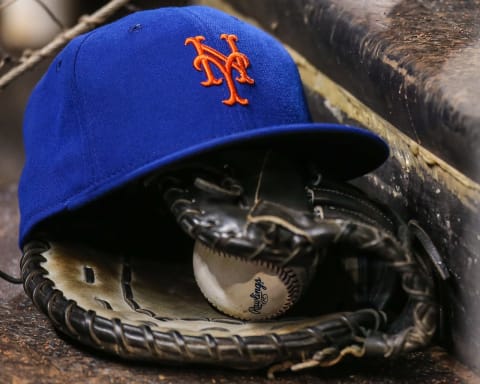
(247, 290)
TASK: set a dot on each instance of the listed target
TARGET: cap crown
(144, 91)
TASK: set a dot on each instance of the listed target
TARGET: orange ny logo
(226, 64)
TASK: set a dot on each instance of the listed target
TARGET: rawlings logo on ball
(226, 64)
(259, 298)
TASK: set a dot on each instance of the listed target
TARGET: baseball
(247, 290)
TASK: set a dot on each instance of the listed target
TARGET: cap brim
(341, 152)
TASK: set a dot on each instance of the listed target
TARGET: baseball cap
(156, 87)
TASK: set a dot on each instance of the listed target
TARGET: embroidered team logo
(207, 56)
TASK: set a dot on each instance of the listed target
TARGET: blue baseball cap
(156, 87)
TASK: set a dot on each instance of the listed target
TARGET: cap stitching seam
(88, 137)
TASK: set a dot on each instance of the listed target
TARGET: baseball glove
(117, 275)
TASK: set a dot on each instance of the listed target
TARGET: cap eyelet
(135, 28)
